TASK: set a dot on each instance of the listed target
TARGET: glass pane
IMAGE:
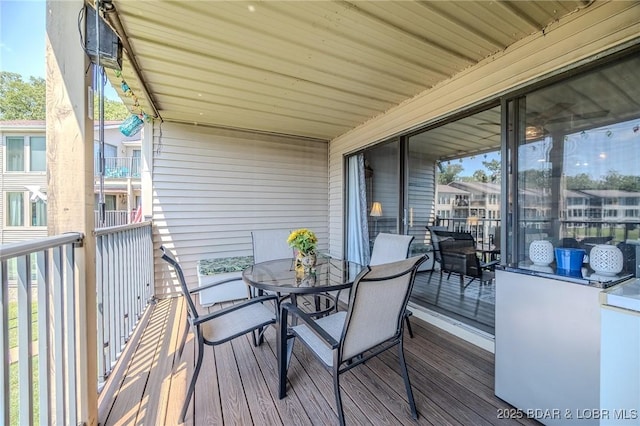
(381, 165)
(38, 213)
(110, 202)
(15, 154)
(110, 151)
(38, 154)
(578, 179)
(15, 209)
(420, 190)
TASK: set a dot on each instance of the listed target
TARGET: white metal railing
(124, 286)
(119, 167)
(38, 322)
(40, 369)
(113, 218)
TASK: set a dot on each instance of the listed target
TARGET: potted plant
(305, 242)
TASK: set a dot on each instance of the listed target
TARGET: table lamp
(376, 212)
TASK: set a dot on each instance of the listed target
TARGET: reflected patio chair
(371, 325)
(223, 325)
(459, 256)
(437, 257)
(391, 248)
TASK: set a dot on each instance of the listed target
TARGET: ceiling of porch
(313, 69)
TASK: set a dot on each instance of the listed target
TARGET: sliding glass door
(373, 197)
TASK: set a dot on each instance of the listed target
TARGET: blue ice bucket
(569, 259)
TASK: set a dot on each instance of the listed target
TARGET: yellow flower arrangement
(304, 240)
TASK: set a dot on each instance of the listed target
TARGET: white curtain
(16, 209)
(357, 228)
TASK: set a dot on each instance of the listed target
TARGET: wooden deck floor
(452, 382)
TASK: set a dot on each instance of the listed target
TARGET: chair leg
(406, 320)
(257, 336)
(194, 377)
(336, 389)
(184, 338)
(407, 384)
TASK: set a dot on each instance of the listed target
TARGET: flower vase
(305, 263)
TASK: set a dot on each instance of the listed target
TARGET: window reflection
(578, 157)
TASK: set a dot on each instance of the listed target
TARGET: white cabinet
(547, 353)
(620, 367)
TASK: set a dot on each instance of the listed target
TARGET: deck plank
(207, 401)
(174, 385)
(158, 384)
(452, 382)
(290, 409)
(129, 399)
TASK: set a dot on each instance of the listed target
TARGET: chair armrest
(306, 318)
(454, 262)
(489, 265)
(235, 307)
(213, 284)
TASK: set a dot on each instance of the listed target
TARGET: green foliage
(113, 110)
(26, 100)
(449, 173)
(22, 100)
(480, 176)
(304, 240)
(495, 170)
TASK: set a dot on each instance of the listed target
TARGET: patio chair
(371, 325)
(223, 325)
(437, 258)
(458, 255)
(391, 248)
(270, 244)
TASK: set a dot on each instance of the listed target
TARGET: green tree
(480, 176)
(113, 110)
(449, 173)
(26, 100)
(495, 170)
(21, 100)
(580, 181)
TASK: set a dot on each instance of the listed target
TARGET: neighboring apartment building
(23, 178)
(451, 202)
(464, 200)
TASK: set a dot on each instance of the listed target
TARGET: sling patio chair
(222, 325)
(372, 324)
(391, 248)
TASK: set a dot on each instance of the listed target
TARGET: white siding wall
(575, 38)
(16, 182)
(212, 187)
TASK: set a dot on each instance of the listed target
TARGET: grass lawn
(14, 393)
(13, 323)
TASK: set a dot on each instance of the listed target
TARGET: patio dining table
(280, 276)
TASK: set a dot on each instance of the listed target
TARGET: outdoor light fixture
(533, 132)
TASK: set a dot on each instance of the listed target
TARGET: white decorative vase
(541, 252)
(606, 260)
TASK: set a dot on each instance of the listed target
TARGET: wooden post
(70, 180)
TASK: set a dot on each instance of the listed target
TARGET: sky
(22, 39)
